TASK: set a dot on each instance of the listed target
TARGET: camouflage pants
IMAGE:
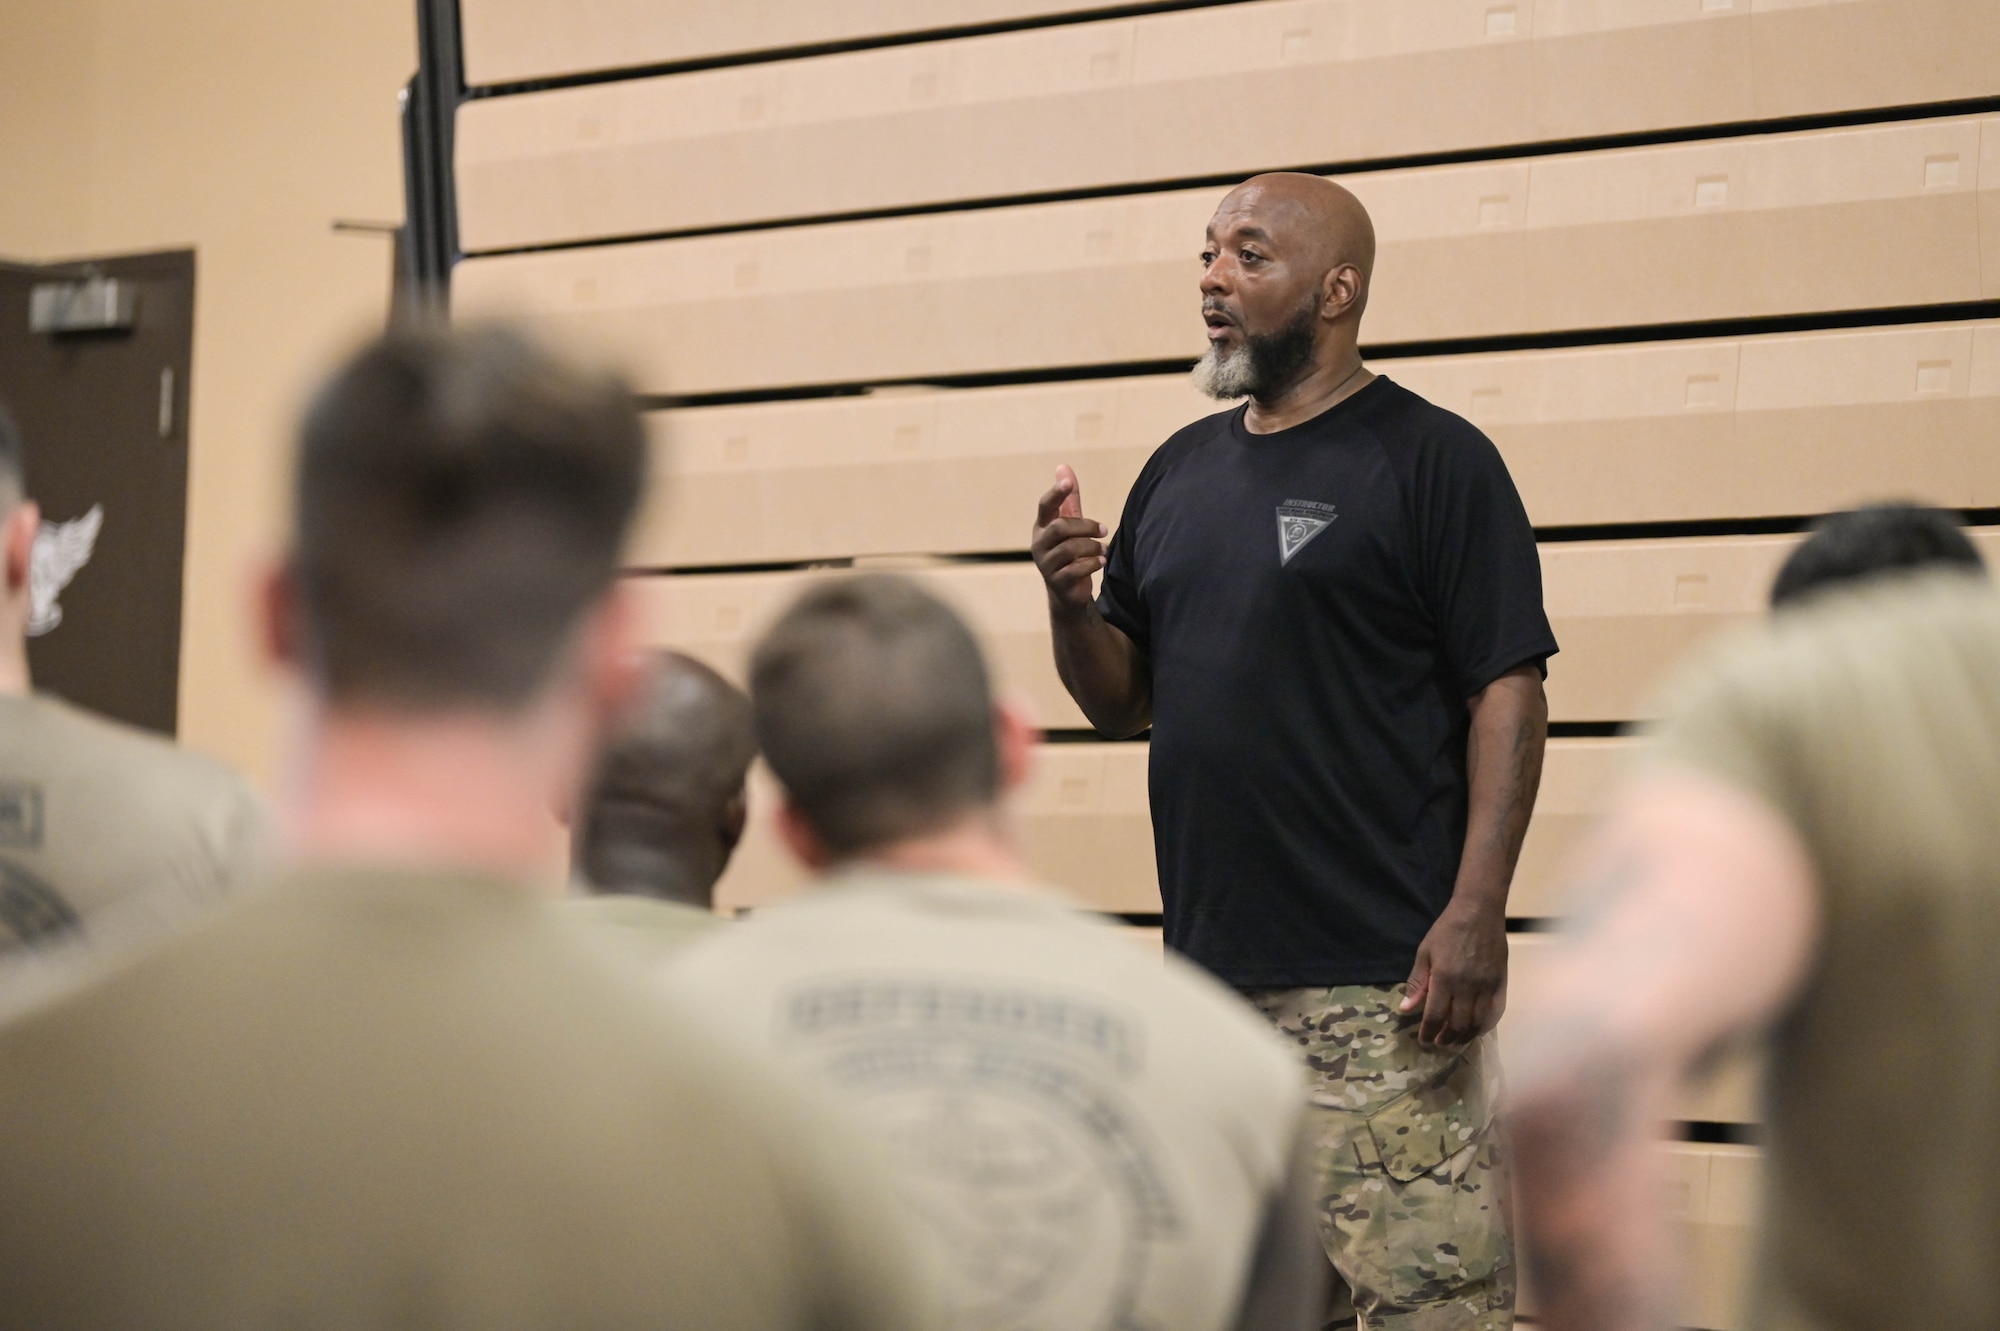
(1413, 1190)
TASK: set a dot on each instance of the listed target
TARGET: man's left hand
(1460, 979)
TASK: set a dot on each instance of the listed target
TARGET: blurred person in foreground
(395, 1088)
(664, 810)
(104, 829)
(1095, 1139)
(1809, 851)
(1874, 539)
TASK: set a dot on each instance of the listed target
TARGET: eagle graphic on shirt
(61, 548)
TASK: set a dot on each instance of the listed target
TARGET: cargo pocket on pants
(1442, 1204)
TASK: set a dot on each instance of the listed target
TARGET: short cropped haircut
(875, 711)
(461, 498)
(1871, 541)
(676, 763)
(13, 461)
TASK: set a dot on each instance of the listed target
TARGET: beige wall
(240, 129)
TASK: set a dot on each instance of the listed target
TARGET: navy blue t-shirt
(1316, 606)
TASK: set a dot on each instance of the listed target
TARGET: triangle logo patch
(1299, 521)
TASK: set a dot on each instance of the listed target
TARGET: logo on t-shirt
(21, 814)
(1299, 520)
(60, 549)
(30, 910)
(1013, 1124)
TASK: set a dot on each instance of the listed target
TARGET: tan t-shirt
(1871, 722)
(381, 1100)
(1092, 1134)
(98, 819)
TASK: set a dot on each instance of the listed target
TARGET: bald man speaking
(1327, 605)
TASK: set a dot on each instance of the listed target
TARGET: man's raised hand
(1067, 546)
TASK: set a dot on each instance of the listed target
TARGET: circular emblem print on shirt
(1007, 1119)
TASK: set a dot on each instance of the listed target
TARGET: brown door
(104, 417)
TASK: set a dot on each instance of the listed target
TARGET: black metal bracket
(428, 243)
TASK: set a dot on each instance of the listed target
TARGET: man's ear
(735, 817)
(800, 839)
(22, 524)
(613, 664)
(1340, 290)
(278, 630)
(1015, 736)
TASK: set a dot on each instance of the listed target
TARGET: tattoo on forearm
(1568, 1145)
(1578, 1291)
(1513, 802)
(1524, 779)
(1607, 1096)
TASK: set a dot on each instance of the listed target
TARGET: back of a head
(653, 817)
(875, 711)
(1872, 541)
(462, 497)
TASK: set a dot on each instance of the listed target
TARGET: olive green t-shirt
(98, 819)
(388, 1100)
(1871, 721)
(643, 930)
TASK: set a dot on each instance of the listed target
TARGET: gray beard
(1226, 377)
(1264, 365)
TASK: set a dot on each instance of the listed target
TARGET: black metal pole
(430, 105)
